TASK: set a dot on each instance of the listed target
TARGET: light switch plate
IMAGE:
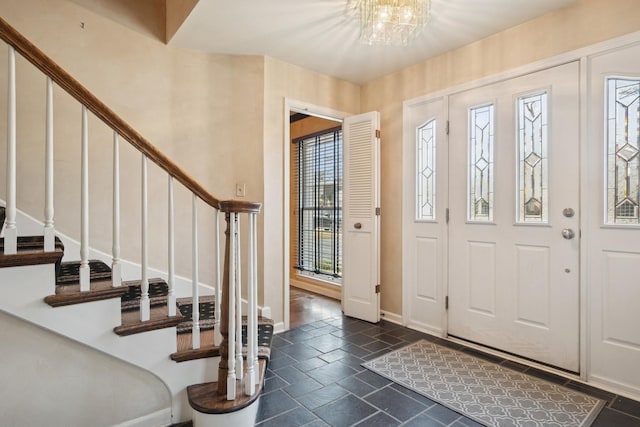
(241, 190)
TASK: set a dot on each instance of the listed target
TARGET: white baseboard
(391, 317)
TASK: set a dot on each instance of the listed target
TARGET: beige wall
(584, 23)
(202, 110)
(282, 81)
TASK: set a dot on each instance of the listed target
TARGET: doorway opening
(313, 213)
(315, 227)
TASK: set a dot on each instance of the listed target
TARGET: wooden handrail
(74, 88)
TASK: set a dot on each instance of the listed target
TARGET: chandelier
(392, 22)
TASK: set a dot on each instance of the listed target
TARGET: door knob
(568, 233)
(357, 226)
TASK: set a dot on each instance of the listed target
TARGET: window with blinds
(319, 204)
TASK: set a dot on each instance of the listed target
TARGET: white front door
(613, 267)
(424, 214)
(514, 216)
(361, 220)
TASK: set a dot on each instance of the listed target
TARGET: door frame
(586, 154)
(292, 105)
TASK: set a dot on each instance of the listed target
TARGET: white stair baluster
(85, 273)
(49, 232)
(195, 308)
(145, 306)
(252, 336)
(231, 362)
(239, 364)
(116, 266)
(171, 297)
(10, 229)
(217, 336)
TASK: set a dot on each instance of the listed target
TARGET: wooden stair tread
(71, 294)
(131, 323)
(191, 354)
(205, 398)
(31, 252)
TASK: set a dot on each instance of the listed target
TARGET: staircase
(211, 357)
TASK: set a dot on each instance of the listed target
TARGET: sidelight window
(623, 146)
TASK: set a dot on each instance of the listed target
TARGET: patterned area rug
(486, 392)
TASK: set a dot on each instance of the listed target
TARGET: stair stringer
(92, 324)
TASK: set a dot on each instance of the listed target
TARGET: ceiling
(322, 35)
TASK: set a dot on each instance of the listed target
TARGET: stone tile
(331, 373)
(274, 383)
(628, 406)
(412, 394)
(296, 417)
(373, 379)
(423, 420)
(379, 420)
(375, 346)
(291, 375)
(273, 404)
(302, 387)
(346, 411)
(327, 343)
(396, 404)
(300, 351)
(357, 387)
(322, 396)
(334, 355)
(310, 364)
(612, 418)
(442, 414)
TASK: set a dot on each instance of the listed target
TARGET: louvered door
(361, 224)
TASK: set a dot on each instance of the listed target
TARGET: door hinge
(377, 211)
(446, 216)
(446, 302)
(447, 127)
(377, 289)
(378, 133)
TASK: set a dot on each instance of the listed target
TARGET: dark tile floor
(315, 379)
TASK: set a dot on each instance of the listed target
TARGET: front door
(514, 216)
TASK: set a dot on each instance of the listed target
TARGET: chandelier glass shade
(392, 22)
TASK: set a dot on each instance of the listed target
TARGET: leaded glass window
(623, 146)
(426, 171)
(533, 206)
(480, 205)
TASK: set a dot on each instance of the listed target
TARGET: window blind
(319, 203)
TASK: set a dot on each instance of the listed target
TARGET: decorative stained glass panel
(623, 147)
(480, 205)
(533, 179)
(426, 171)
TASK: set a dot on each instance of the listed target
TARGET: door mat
(488, 393)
